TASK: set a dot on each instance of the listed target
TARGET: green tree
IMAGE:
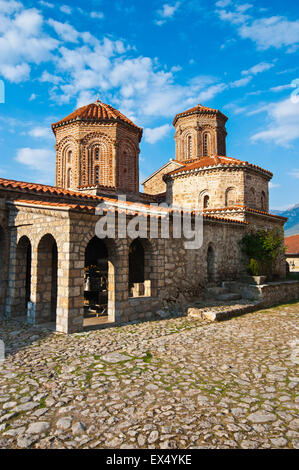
(262, 249)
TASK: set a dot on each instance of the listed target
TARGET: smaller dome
(96, 112)
(199, 109)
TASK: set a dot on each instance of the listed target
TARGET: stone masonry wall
(176, 274)
(225, 187)
(156, 185)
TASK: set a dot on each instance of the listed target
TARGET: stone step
(217, 290)
(229, 296)
(227, 312)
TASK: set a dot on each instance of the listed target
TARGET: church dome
(96, 112)
(199, 109)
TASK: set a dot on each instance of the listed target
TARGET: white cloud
(9, 6)
(167, 11)
(279, 88)
(294, 173)
(33, 96)
(97, 14)
(241, 82)
(16, 73)
(64, 30)
(141, 88)
(283, 128)
(274, 185)
(22, 42)
(152, 136)
(66, 9)
(42, 160)
(48, 77)
(272, 31)
(40, 132)
(223, 3)
(46, 4)
(259, 68)
(275, 31)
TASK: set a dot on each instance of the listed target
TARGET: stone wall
(194, 187)
(176, 275)
(272, 293)
(226, 187)
(155, 184)
(4, 254)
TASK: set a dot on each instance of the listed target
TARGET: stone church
(54, 268)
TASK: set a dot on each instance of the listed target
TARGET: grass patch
(148, 357)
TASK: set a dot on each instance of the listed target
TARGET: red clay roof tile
(292, 244)
(97, 111)
(199, 109)
(214, 161)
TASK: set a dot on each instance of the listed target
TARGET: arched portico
(46, 280)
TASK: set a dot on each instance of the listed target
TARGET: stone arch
(211, 264)
(252, 198)
(189, 144)
(127, 168)
(230, 196)
(65, 152)
(22, 292)
(206, 143)
(97, 150)
(46, 279)
(263, 201)
(142, 268)
(111, 253)
(204, 199)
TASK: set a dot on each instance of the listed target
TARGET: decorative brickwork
(97, 149)
(199, 132)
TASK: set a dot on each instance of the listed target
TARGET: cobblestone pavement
(175, 383)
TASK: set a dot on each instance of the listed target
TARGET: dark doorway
(23, 276)
(136, 262)
(47, 266)
(96, 278)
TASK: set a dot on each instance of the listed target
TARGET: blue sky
(152, 60)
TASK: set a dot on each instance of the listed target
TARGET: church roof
(214, 161)
(94, 112)
(199, 109)
(292, 244)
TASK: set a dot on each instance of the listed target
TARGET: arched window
(230, 197)
(69, 156)
(189, 147)
(206, 201)
(69, 178)
(96, 175)
(206, 144)
(252, 198)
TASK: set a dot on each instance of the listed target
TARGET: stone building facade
(48, 242)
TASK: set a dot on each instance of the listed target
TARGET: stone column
(70, 289)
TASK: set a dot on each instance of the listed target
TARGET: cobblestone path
(175, 383)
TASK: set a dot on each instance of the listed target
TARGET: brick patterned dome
(96, 112)
(199, 109)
